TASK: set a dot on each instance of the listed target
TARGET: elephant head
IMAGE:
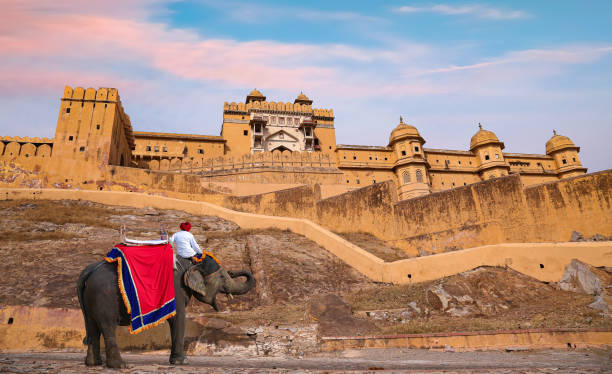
(205, 280)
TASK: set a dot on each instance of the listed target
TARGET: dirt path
(373, 360)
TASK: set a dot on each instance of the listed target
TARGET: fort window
(374, 181)
(200, 151)
(345, 157)
(419, 176)
(497, 156)
(539, 164)
(453, 184)
(97, 127)
(354, 157)
(403, 153)
(281, 120)
(370, 157)
(82, 149)
(437, 161)
(70, 138)
(148, 148)
(156, 148)
(347, 181)
(486, 157)
(574, 159)
(416, 149)
(330, 147)
(564, 161)
(470, 162)
(406, 177)
(316, 141)
(258, 128)
(385, 159)
(67, 110)
(165, 149)
(465, 184)
(357, 181)
(245, 132)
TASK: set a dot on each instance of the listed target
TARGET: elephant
(103, 307)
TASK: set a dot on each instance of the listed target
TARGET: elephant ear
(194, 280)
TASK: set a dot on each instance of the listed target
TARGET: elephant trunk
(238, 288)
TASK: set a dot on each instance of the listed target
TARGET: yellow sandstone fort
(282, 159)
(267, 142)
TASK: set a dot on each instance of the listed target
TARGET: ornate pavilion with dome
(259, 126)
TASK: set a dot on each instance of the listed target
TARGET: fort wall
(543, 261)
(499, 210)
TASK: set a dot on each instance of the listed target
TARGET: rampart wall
(499, 210)
(543, 261)
(264, 167)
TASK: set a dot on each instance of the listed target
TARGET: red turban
(186, 226)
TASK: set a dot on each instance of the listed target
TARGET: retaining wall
(543, 261)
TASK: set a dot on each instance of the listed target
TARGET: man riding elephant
(101, 296)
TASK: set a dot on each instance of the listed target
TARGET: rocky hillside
(46, 244)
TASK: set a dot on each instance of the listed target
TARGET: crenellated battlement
(276, 107)
(17, 146)
(261, 160)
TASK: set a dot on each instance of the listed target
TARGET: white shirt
(186, 245)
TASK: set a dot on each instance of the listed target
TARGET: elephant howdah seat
(146, 283)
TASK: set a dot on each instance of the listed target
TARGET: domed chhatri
(558, 142)
(483, 137)
(255, 95)
(404, 131)
(302, 99)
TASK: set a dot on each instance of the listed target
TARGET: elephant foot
(115, 363)
(178, 360)
(92, 359)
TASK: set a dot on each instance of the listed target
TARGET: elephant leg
(93, 346)
(177, 333)
(113, 357)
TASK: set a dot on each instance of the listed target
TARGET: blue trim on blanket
(139, 321)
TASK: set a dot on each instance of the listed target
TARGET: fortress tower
(565, 154)
(92, 126)
(410, 166)
(490, 161)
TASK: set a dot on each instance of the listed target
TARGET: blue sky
(522, 68)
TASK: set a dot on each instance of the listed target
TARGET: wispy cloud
(474, 10)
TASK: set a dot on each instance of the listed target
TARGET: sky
(521, 68)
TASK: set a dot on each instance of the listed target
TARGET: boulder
(599, 304)
(578, 277)
(335, 317)
(577, 237)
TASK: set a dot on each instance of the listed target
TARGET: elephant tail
(81, 284)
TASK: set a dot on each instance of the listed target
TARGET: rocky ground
(364, 361)
(46, 244)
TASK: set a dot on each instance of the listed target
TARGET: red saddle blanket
(146, 282)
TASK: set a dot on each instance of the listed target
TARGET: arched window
(419, 176)
(406, 177)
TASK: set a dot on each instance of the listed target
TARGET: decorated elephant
(103, 307)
